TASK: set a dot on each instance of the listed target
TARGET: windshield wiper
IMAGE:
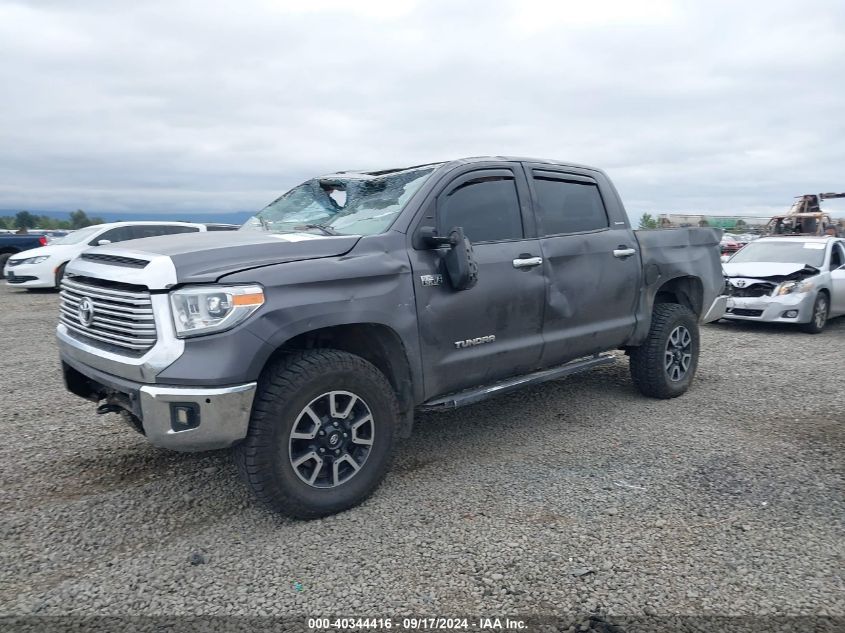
(327, 230)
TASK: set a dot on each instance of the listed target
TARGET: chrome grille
(122, 314)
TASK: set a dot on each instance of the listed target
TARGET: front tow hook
(108, 408)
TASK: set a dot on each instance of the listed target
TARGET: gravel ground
(578, 496)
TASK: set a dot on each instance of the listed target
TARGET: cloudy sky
(197, 105)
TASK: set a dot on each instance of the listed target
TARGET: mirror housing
(461, 266)
(430, 237)
(103, 242)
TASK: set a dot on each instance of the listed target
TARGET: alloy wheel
(331, 439)
(678, 356)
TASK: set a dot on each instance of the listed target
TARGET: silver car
(798, 279)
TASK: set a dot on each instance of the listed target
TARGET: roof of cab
(461, 161)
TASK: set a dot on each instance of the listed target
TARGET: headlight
(33, 260)
(790, 287)
(205, 309)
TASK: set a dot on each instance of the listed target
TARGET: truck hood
(762, 270)
(205, 257)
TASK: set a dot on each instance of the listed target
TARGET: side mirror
(430, 237)
(460, 261)
(103, 242)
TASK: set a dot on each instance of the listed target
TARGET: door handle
(527, 262)
(622, 252)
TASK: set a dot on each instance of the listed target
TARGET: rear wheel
(818, 319)
(664, 365)
(321, 434)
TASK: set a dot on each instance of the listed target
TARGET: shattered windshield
(791, 252)
(344, 204)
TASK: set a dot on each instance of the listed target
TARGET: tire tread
(279, 382)
(646, 360)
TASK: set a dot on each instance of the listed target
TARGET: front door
(493, 330)
(837, 279)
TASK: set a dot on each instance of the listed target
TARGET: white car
(787, 279)
(44, 267)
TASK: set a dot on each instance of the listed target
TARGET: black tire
(288, 387)
(648, 362)
(818, 319)
(4, 257)
(60, 274)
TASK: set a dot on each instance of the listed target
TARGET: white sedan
(44, 267)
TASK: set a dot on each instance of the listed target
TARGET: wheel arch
(685, 290)
(376, 343)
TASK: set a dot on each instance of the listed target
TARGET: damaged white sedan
(798, 280)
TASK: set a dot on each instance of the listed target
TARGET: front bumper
(178, 418)
(772, 309)
(30, 275)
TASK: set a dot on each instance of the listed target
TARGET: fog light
(184, 416)
(790, 314)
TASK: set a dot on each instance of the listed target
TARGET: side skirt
(477, 394)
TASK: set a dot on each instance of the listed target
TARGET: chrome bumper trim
(224, 416)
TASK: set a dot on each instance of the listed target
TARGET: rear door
(493, 330)
(591, 260)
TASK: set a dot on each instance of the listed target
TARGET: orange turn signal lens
(248, 300)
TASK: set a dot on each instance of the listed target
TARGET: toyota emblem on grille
(740, 283)
(86, 311)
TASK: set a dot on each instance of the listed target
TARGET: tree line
(648, 221)
(24, 219)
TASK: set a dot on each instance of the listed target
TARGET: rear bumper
(716, 310)
(177, 418)
(772, 309)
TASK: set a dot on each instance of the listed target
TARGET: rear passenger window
(568, 206)
(154, 230)
(486, 208)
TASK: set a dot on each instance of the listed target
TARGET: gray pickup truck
(308, 339)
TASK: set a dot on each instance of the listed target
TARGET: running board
(471, 396)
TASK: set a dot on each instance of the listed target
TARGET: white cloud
(192, 105)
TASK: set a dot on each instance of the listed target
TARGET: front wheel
(60, 274)
(818, 319)
(321, 434)
(664, 365)
(3, 259)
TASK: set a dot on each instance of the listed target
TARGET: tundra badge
(471, 342)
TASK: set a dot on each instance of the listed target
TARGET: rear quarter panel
(668, 254)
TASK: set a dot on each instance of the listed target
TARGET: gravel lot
(575, 497)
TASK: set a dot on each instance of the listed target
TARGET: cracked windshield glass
(343, 204)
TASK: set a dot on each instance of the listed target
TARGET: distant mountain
(236, 217)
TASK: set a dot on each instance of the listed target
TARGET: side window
(486, 208)
(154, 230)
(837, 259)
(568, 206)
(117, 234)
